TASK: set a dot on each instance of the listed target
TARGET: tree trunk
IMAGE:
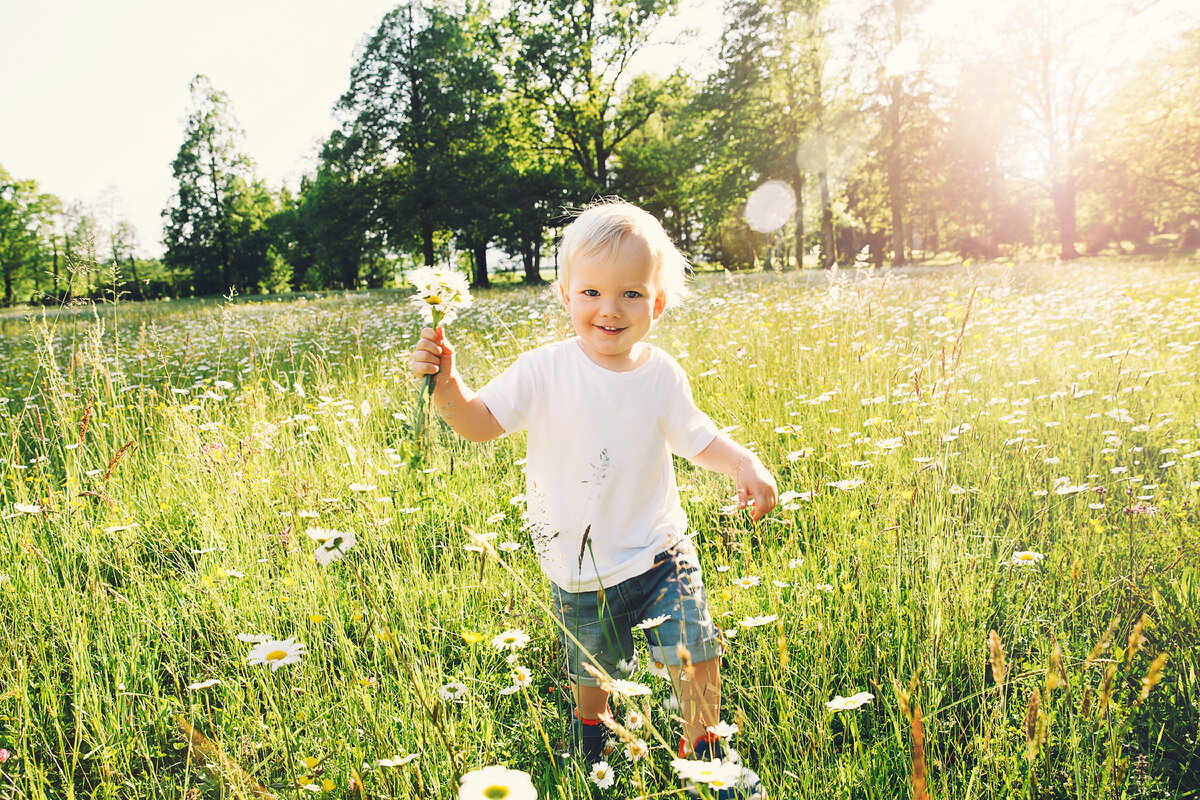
(1062, 192)
(480, 279)
(798, 189)
(895, 178)
(427, 243)
(530, 257)
(136, 282)
(828, 245)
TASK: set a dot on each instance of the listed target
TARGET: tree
(1147, 147)
(767, 104)
(1059, 59)
(20, 251)
(217, 201)
(421, 99)
(571, 59)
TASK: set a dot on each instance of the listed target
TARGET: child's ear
(660, 304)
(562, 293)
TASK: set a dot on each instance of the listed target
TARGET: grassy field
(163, 466)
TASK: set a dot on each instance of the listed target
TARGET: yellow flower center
(495, 792)
(276, 655)
(1026, 556)
(436, 300)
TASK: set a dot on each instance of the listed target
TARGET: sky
(94, 95)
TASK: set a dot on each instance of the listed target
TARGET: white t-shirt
(600, 481)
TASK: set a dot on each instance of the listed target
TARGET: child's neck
(628, 361)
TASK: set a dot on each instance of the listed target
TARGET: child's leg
(699, 697)
(590, 701)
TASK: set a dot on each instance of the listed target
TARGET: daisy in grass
(747, 581)
(511, 640)
(758, 622)
(334, 547)
(1026, 558)
(706, 771)
(847, 485)
(726, 730)
(522, 678)
(653, 622)
(787, 500)
(636, 750)
(602, 775)
(397, 761)
(454, 691)
(839, 703)
(634, 721)
(27, 508)
(276, 653)
(496, 783)
(659, 670)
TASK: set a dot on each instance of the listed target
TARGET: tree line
(465, 133)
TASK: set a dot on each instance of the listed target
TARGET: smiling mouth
(607, 329)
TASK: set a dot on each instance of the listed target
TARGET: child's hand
(755, 488)
(433, 354)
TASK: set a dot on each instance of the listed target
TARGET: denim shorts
(603, 620)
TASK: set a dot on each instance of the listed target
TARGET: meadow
(990, 479)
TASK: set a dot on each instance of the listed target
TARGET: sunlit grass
(929, 425)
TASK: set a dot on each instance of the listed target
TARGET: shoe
(741, 783)
(584, 742)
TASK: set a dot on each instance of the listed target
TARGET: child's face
(613, 303)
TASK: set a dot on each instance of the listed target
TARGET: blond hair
(600, 228)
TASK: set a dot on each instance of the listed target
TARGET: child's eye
(633, 294)
(591, 293)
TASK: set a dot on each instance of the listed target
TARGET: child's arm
(753, 480)
(454, 401)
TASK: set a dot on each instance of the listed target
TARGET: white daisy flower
(276, 653)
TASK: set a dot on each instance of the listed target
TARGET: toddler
(604, 412)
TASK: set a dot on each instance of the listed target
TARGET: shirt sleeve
(510, 395)
(688, 429)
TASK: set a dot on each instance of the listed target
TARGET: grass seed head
(1152, 677)
(1101, 645)
(996, 657)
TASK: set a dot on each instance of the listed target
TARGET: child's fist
(756, 488)
(433, 354)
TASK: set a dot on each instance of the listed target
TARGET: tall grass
(926, 424)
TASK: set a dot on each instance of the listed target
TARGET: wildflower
(628, 665)
(362, 487)
(956, 489)
(671, 704)
(725, 730)
(397, 761)
(1141, 510)
(508, 547)
(441, 293)
(602, 775)
(204, 684)
(512, 640)
(253, 638)
(823, 587)
(847, 485)
(499, 516)
(795, 563)
(787, 500)
(453, 691)
(653, 622)
(334, 548)
(747, 581)
(756, 622)
(839, 703)
(472, 637)
(659, 670)
(1026, 558)
(491, 783)
(27, 508)
(1067, 488)
(636, 749)
(706, 771)
(276, 653)
(634, 721)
